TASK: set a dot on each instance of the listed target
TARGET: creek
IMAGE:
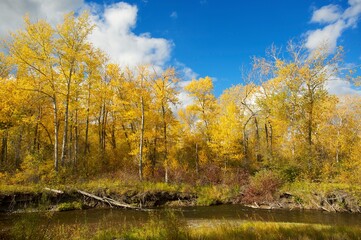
(192, 215)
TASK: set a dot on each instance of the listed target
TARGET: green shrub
(290, 173)
(70, 206)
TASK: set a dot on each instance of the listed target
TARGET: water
(192, 215)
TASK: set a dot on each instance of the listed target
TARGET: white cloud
(186, 75)
(184, 72)
(174, 15)
(326, 14)
(13, 11)
(336, 22)
(339, 86)
(114, 35)
(327, 36)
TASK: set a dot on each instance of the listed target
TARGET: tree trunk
(337, 157)
(245, 147)
(70, 142)
(114, 139)
(86, 144)
(126, 136)
(36, 141)
(165, 144)
(141, 141)
(267, 136)
(102, 128)
(66, 124)
(153, 158)
(258, 142)
(56, 134)
(4, 146)
(245, 142)
(18, 148)
(76, 144)
(310, 131)
(271, 138)
(197, 161)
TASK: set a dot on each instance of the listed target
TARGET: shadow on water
(221, 212)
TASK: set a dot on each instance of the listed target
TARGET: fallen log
(110, 201)
(54, 190)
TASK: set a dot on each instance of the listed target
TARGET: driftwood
(54, 190)
(110, 201)
(330, 205)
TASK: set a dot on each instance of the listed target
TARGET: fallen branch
(54, 190)
(110, 201)
(330, 205)
(325, 209)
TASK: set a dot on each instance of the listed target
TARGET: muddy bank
(336, 201)
(75, 199)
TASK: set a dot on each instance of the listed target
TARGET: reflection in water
(192, 214)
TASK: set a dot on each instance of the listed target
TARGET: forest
(68, 113)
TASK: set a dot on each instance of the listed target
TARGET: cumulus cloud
(339, 86)
(114, 35)
(327, 36)
(187, 75)
(12, 12)
(326, 14)
(336, 21)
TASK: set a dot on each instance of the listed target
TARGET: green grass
(207, 195)
(174, 227)
(262, 230)
(67, 206)
(308, 193)
(20, 188)
(211, 195)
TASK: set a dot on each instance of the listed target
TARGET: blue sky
(217, 38)
(203, 37)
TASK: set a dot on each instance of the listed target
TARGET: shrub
(70, 206)
(210, 174)
(235, 177)
(290, 173)
(262, 187)
(34, 169)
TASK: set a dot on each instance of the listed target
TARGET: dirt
(49, 200)
(337, 201)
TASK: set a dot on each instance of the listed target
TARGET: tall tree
(165, 96)
(71, 49)
(33, 52)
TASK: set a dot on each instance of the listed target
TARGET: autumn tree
(165, 96)
(71, 47)
(32, 51)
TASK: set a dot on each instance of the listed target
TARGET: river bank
(141, 196)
